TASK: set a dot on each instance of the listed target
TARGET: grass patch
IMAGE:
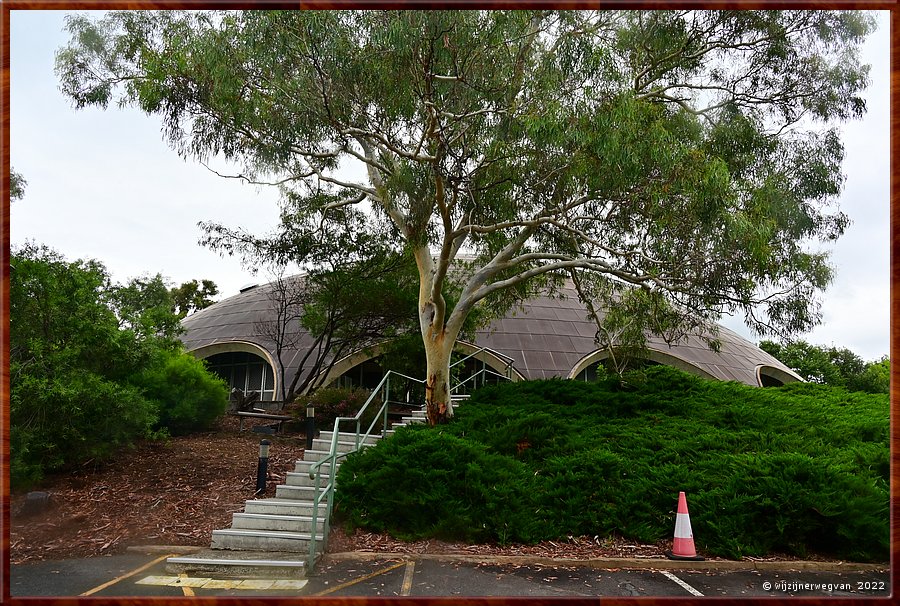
(792, 469)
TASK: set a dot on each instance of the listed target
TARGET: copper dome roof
(544, 337)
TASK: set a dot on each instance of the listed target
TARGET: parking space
(145, 575)
(84, 576)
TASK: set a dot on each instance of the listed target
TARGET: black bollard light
(310, 424)
(262, 468)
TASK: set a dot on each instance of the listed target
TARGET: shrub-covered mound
(789, 469)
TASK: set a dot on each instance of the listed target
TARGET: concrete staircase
(271, 537)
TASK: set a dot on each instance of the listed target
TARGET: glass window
(239, 378)
(255, 377)
(244, 371)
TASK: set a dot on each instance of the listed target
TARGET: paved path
(136, 574)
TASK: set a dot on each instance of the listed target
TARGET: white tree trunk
(437, 379)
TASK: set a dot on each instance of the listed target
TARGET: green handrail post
(385, 400)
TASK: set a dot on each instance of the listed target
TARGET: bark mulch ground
(167, 493)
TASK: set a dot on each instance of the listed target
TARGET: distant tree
(876, 378)
(17, 185)
(344, 307)
(193, 296)
(144, 305)
(687, 153)
(286, 297)
(834, 366)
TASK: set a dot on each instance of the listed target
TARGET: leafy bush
(92, 365)
(187, 396)
(791, 469)
(334, 402)
(71, 418)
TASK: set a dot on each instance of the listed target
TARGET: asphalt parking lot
(136, 574)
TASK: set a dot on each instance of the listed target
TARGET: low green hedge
(787, 470)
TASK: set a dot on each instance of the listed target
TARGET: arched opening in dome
(589, 372)
(769, 376)
(245, 371)
(477, 366)
(586, 368)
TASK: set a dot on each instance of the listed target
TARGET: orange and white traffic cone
(683, 545)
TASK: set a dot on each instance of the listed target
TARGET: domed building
(543, 338)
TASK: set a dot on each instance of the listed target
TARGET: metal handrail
(509, 361)
(480, 373)
(315, 471)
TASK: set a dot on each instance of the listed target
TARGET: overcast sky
(104, 185)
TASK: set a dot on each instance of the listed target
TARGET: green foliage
(193, 296)
(333, 402)
(365, 301)
(452, 489)
(834, 366)
(799, 468)
(187, 397)
(68, 418)
(144, 306)
(93, 365)
(876, 378)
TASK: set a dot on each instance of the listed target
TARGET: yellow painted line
(359, 580)
(126, 575)
(290, 584)
(408, 578)
(256, 584)
(222, 584)
(186, 589)
(183, 580)
(188, 584)
(154, 580)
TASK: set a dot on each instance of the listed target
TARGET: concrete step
(240, 564)
(263, 521)
(302, 479)
(304, 466)
(342, 446)
(284, 507)
(295, 493)
(318, 455)
(263, 540)
(344, 436)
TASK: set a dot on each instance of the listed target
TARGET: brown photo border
(7, 5)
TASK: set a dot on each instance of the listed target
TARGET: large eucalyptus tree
(689, 154)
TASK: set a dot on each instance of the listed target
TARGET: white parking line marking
(686, 587)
